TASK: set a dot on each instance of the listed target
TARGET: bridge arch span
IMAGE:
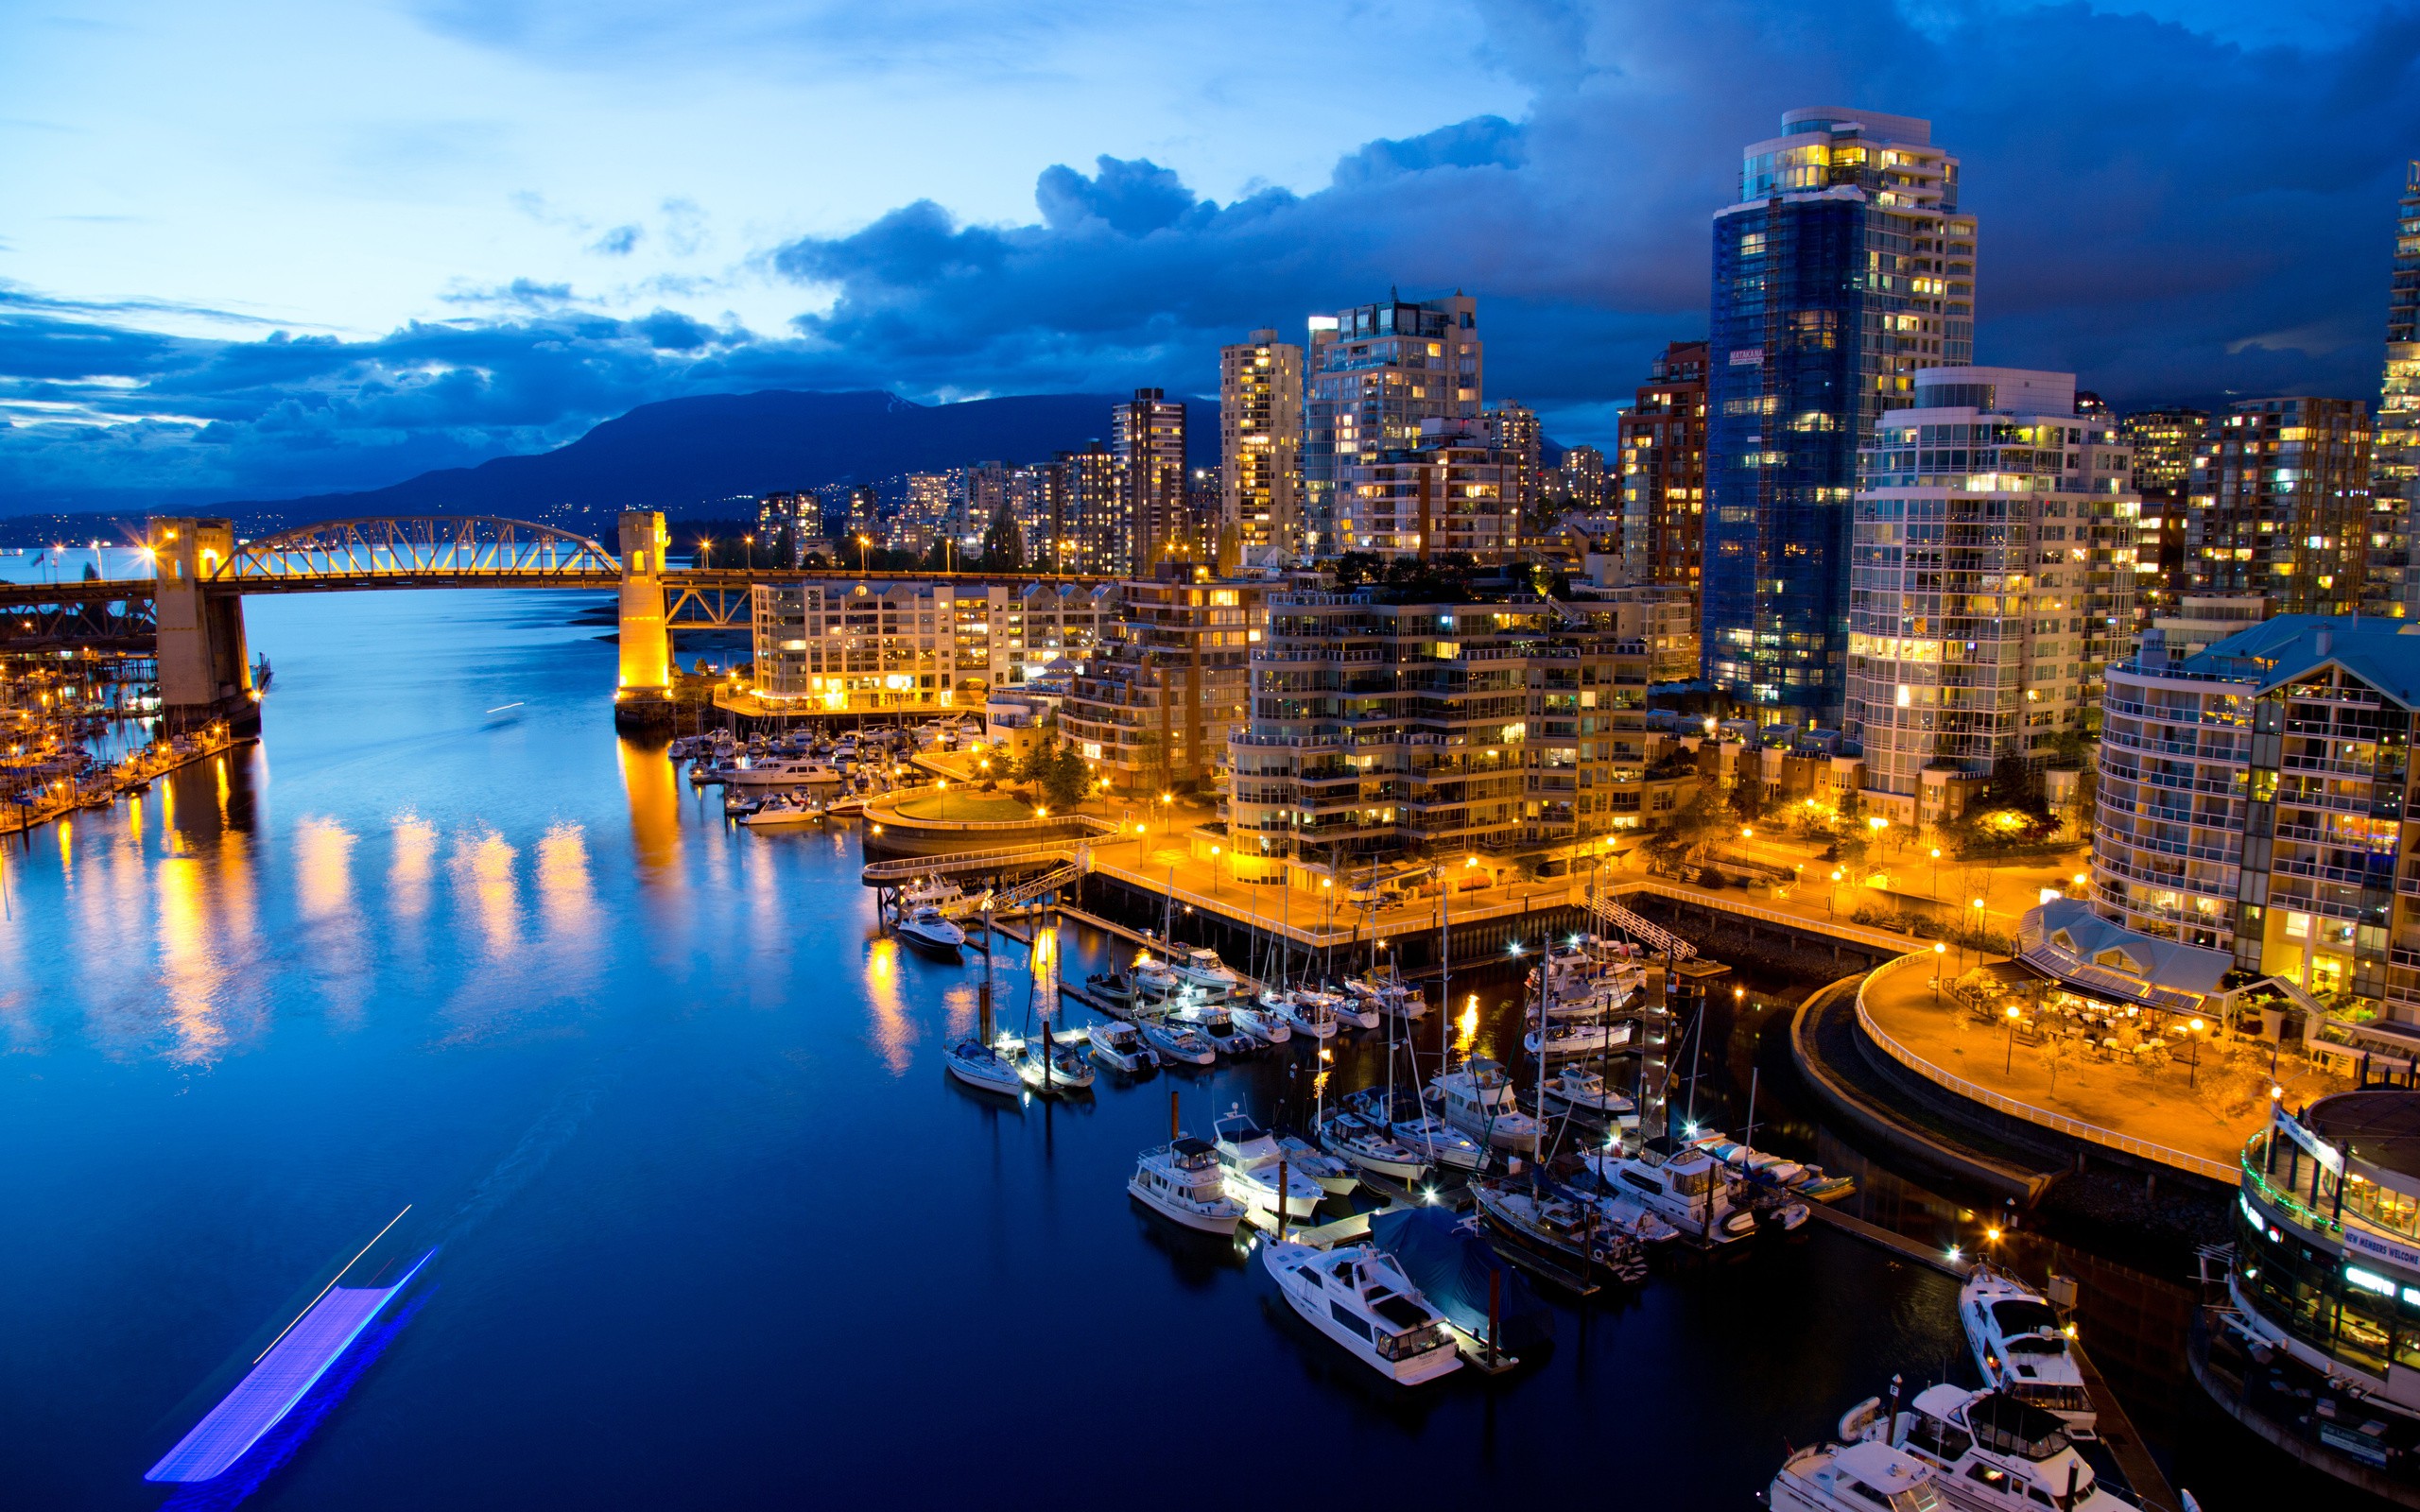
(433, 549)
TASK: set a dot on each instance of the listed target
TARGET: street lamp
(2009, 1064)
(2193, 1068)
(1214, 872)
(1939, 950)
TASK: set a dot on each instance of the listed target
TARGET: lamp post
(1832, 897)
(2008, 1065)
(1936, 872)
(862, 544)
(1214, 872)
(2193, 1067)
(1939, 950)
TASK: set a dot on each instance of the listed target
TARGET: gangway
(1656, 936)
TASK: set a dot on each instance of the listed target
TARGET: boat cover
(1451, 1268)
(292, 1365)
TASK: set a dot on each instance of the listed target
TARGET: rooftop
(2384, 653)
(2381, 1127)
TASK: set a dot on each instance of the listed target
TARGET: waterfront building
(2250, 800)
(2395, 468)
(1011, 634)
(2281, 504)
(1844, 267)
(1582, 479)
(2323, 1284)
(1375, 373)
(1381, 728)
(2164, 444)
(864, 646)
(1260, 443)
(1663, 474)
(1147, 436)
(1452, 490)
(1993, 572)
(1151, 710)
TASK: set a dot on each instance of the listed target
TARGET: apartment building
(1152, 709)
(1992, 577)
(2281, 505)
(853, 647)
(2164, 443)
(1260, 443)
(2252, 800)
(1663, 474)
(1147, 436)
(1453, 489)
(1379, 728)
(1375, 373)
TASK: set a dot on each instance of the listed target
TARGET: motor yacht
(2021, 1347)
(1854, 1478)
(1120, 1047)
(1624, 1211)
(1988, 1452)
(1199, 967)
(932, 889)
(925, 929)
(1578, 1090)
(1250, 1158)
(979, 1065)
(1477, 1099)
(1560, 1227)
(1358, 1296)
(783, 771)
(1371, 1145)
(1182, 1181)
(738, 805)
(1214, 1022)
(782, 811)
(1680, 1184)
(1309, 1013)
(1351, 1010)
(1334, 1175)
(1153, 979)
(1114, 987)
(1441, 1143)
(1178, 1044)
(1047, 1067)
(1391, 1000)
(1575, 1042)
(1266, 1024)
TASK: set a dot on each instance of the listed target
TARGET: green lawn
(977, 808)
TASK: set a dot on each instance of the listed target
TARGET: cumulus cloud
(2171, 213)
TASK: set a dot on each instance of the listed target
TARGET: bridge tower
(205, 673)
(642, 695)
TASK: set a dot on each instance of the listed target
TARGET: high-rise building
(987, 494)
(1844, 267)
(1375, 373)
(1260, 442)
(1154, 707)
(2396, 472)
(1514, 428)
(2164, 443)
(1663, 474)
(1451, 489)
(1584, 479)
(2280, 505)
(1992, 580)
(1146, 436)
(1088, 525)
(784, 522)
(1029, 493)
(932, 504)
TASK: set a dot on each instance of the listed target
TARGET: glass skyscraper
(1844, 267)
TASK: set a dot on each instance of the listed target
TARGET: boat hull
(1313, 1310)
(1208, 1223)
(1003, 1081)
(938, 946)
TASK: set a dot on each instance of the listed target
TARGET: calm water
(716, 1229)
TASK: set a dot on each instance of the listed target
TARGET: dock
(2117, 1432)
(1898, 1244)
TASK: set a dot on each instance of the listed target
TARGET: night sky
(256, 249)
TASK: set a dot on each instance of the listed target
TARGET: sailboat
(1043, 1063)
(973, 1060)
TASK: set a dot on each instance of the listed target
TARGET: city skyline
(119, 346)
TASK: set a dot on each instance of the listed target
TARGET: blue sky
(255, 249)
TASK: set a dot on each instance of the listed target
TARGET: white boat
(1389, 998)
(1568, 1229)
(1626, 1212)
(1153, 979)
(2021, 1347)
(925, 929)
(1351, 1010)
(1683, 1186)
(1267, 1025)
(1309, 1013)
(1987, 1450)
(1250, 1158)
(1854, 1478)
(1358, 1296)
(1060, 1072)
(1120, 1047)
(979, 1065)
(933, 888)
(1177, 1043)
(783, 771)
(1370, 1145)
(1572, 1041)
(1477, 1099)
(1213, 1023)
(1443, 1144)
(1200, 968)
(781, 812)
(1334, 1176)
(1182, 1180)
(1578, 1090)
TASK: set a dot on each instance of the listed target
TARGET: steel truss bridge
(409, 552)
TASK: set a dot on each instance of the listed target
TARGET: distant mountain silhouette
(686, 454)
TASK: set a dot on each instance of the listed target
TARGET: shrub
(1712, 877)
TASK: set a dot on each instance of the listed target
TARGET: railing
(2219, 1171)
(908, 868)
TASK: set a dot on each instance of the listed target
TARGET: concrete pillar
(205, 670)
(645, 645)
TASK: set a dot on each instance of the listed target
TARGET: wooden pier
(1898, 1244)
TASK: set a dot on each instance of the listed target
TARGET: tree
(1748, 797)
(1039, 757)
(1003, 544)
(1066, 781)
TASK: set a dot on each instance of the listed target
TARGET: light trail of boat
(332, 1284)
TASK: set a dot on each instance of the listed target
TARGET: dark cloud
(2171, 214)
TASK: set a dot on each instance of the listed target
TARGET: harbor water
(712, 1228)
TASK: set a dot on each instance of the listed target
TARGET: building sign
(2317, 1148)
(2384, 1248)
(1748, 357)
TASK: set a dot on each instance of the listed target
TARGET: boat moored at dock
(1182, 1181)
(2022, 1348)
(1359, 1298)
